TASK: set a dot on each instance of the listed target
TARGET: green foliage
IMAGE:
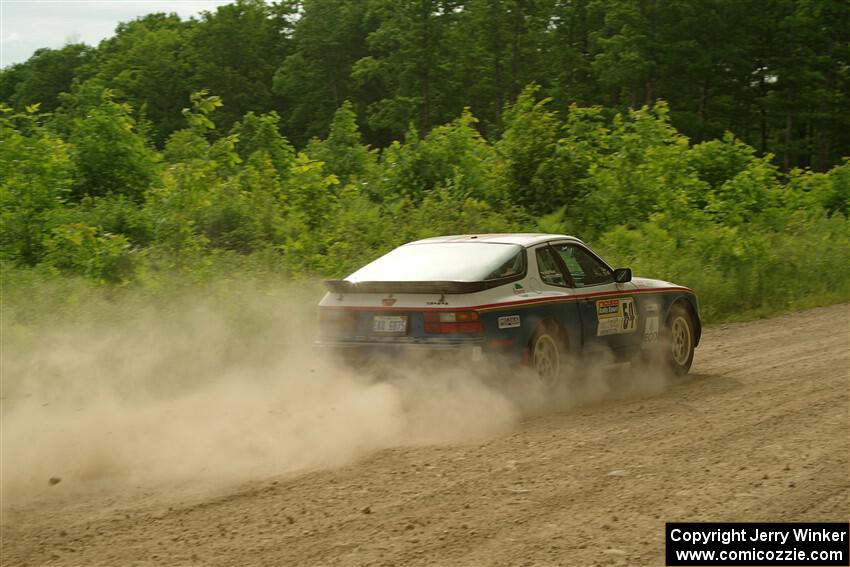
(744, 268)
(35, 180)
(259, 139)
(643, 171)
(527, 147)
(837, 200)
(47, 74)
(715, 215)
(720, 160)
(112, 214)
(453, 155)
(308, 197)
(360, 231)
(81, 250)
(343, 151)
(233, 52)
(198, 117)
(401, 78)
(600, 171)
(111, 156)
(315, 78)
(442, 212)
(147, 62)
(194, 144)
(503, 46)
(779, 80)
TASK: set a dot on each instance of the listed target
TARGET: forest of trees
(774, 73)
(700, 141)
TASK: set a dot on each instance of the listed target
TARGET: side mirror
(623, 275)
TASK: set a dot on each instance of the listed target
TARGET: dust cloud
(212, 392)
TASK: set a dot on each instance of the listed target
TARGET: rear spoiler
(345, 286)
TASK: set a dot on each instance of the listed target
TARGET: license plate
(390, 324)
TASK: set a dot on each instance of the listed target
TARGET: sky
(26, 25)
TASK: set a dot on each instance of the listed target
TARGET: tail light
(452, 322)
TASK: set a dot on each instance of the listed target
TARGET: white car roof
(523, 239)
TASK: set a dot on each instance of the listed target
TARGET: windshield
(445, 261)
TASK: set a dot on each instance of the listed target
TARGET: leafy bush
(35, 180)
(714, 216)
(745, 269)
(80, 250)
(110, 155)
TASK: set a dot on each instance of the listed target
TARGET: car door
(609, 310)
(555, 283)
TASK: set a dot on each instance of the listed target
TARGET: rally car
(536, 299)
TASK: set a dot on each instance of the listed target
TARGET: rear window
(445, 261)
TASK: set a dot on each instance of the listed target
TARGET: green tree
(569, 47)
(43, 77)
(805, 55)
(343, 151)
(404, 78)
(454, 156)
(527, 148)
(110, 155)
(114, 215)
(35, 180)
(226, 192)
(260, 135)
(315, 78)
(146, 62)
(837, 200)
(629, 50)
(718, 161)
(234, 53)
(80, 249)
(644, 172)
(500, 43)
(309, 208)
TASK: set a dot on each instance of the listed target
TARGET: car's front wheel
(679, 340)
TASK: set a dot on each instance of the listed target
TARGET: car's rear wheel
(548, 356)
(678, 340)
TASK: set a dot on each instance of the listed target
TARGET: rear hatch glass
(445, 261)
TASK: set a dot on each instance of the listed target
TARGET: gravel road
(760, 431)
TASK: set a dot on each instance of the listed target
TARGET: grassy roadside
(32, 299)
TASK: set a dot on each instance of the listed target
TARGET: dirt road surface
(758, 432)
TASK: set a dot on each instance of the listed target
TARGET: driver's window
(585, 269)
(550, 273)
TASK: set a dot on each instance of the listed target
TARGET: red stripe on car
(509, 303)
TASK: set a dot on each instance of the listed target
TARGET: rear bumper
(469, 349)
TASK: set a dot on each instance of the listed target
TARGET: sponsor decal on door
(616, 316)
